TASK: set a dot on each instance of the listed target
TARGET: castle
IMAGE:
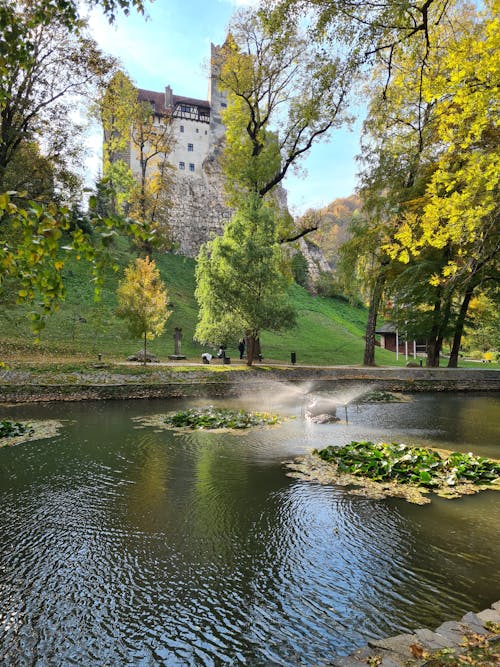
(198, 209)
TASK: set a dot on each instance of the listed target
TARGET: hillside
(328, 331)
(333, 226)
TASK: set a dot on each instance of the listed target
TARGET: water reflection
(121, 545)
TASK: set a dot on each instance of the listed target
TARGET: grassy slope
(327, 332)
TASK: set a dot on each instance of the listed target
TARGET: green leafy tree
(142, 300)
(48, 64)
(282, 98)
(240, 283)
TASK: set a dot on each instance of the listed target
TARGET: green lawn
(328, 331)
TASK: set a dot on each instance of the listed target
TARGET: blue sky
(172, 46)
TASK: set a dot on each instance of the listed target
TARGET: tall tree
(48, 64)
(142, 300)
(63, 68)
(282, 98)
(135, 135)
(459, 214)
(241, 288)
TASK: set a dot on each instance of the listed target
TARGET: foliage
(461, 207)
(10, 429)
(328, 284)
(142, 300)
(299, 269)
(410, 465)
(282, 96)
(240, 284)
(37, 243)
(215, 418)
(129, 123)
(49, 66)
(380, 397)
(333, 225)
(476, 650)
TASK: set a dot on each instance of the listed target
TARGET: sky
(171, 46)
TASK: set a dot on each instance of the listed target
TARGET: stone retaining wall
(416, 649)
(171, 383)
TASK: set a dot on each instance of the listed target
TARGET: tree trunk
(144, 362)
(371, 325)
(435, 342)
(251, 348)
(459, 327)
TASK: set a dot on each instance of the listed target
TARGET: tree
(133, 132)
(282, 97)
(240, 284)
(459, 212)
(366, 268)
(37, 95)
(374, 32)
(440, 249)
(48, 65)
(142, 300)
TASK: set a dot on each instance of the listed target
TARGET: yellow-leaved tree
(142, 300)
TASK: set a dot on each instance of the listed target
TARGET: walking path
(417, 649)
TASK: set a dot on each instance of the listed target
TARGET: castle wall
(198, 209)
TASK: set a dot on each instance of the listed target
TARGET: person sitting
(206, 357)
(221, 354)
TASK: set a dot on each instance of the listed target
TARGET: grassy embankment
(328, 331)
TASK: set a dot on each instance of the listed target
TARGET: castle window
(197, 130)
(190, 148)
(223, 104)
(182, 165)
(191, 166)
(182, 128)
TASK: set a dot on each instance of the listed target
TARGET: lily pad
(29, 431)
(210, 418)
(382, 469)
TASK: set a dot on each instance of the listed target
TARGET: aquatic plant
(10, 429)
(210, 417)
(420, 466)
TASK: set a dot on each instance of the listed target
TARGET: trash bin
(293, 357)
(226, 360)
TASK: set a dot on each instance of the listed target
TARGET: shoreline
(118, 382)
(422, 647)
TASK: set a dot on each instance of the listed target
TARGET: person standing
(241, 347)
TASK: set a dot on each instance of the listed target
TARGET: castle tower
(198, 210)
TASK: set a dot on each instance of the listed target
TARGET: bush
(300, 269)
(327, 285)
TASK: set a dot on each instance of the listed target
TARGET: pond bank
(420, 648)
(106, 382)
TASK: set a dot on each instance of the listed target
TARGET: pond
(125, 545)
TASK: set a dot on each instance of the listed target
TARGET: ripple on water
(124, 546)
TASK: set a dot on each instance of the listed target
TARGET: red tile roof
(159, 100)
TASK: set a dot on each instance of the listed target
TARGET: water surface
(121, 545)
